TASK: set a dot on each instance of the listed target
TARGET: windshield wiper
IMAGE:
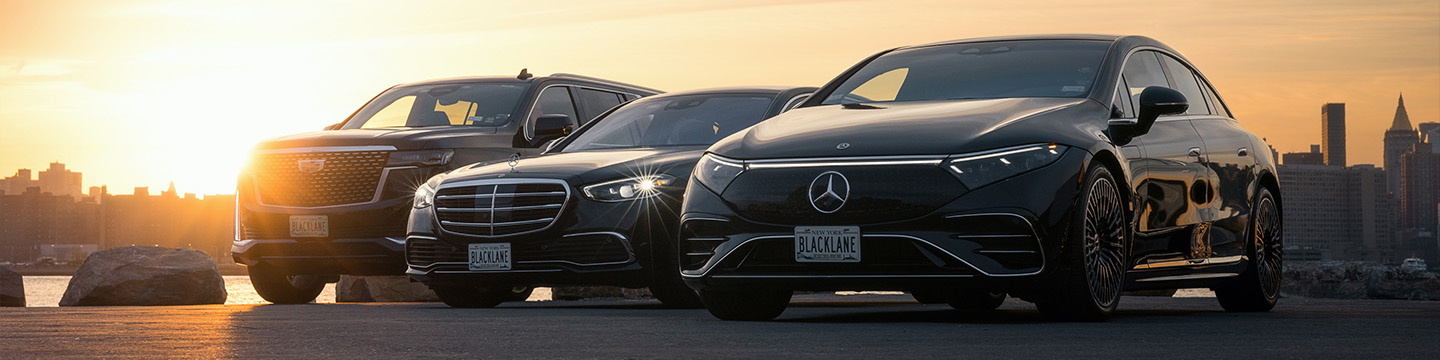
(859, 106)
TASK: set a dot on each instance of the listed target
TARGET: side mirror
(1154, 102)
(335, 126)
(550, 127)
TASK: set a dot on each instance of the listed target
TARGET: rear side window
(1216, 107)
(1141, 71)
(555, 100)
(1184, 81)
(596, 102)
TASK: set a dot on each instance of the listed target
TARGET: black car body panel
(1190, 198)
(589, 242)
(363, 194)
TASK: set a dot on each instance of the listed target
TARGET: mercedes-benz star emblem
(829, 191)
(842, 146)
(514, 160)
(310, 166)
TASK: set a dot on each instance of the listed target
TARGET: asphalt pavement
(815, 326)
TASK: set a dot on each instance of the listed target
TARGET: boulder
(382, 289)
(12, 288)
(1358, 280)
(597, 292)
(146, 275)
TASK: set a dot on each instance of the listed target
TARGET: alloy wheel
(1104, 235)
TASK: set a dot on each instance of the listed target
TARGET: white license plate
(827, 244)
(309, 226)
(490, 256)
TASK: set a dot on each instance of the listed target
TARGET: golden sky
(139, 93)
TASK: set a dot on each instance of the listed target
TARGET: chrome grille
(500, 208)
(348, 177)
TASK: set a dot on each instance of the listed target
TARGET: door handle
(1242, 152)
(1195, 151)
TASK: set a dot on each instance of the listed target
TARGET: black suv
(1057, 169)
(315, 205)
(599, 208)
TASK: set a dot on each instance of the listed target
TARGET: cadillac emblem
(310, 166)
(829, 191)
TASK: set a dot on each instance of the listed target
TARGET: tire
(672, 292)
(520, 293)
(1088, 281)
(758, 305)
(280, 287)
(1258, 288)
(977, 300)
(473, 297)
(930, 296)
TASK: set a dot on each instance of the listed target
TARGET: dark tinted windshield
(1001, 69)
(474, 104)
(674, 121)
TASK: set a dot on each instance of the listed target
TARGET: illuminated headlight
(425, 193)
(420, 157)
(980, 169)
(717, 172)
(626, 189)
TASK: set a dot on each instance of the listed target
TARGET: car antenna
(524, 74)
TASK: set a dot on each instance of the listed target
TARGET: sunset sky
(139, 93)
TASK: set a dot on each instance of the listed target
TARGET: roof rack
(605, 81)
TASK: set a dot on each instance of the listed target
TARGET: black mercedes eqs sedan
(600, 207)
(1059, 169)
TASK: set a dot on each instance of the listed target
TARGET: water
(46, 291)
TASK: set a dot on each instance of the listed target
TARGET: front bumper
(1002, 236)
(369, 256)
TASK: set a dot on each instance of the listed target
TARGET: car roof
(732, 90)
(1101, 37)
(514, 80)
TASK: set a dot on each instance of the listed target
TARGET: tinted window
(673, 121)
(555, 100)
(1141, 71)
(1184, 81)
(1122, 107)
(1216, 106)
(596, 102)
(484, 104)
(1002, 69)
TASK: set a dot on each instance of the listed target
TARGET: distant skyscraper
(1314, 157)
(1420, 187)
(1332, 133)
(1428, 131)
(1339, 213)
(59, 181)
(1400, 139)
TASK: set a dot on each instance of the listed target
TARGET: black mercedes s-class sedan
(1059, 169)
(600, 207)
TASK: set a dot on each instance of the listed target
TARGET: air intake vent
(500, 208)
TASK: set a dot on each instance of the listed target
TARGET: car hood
(400, 138)
(585, 167)
(915, 128)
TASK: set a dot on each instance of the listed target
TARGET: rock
(146, 275)
(382, 289)
(1358, 280)
(594, 292)
(12, 288)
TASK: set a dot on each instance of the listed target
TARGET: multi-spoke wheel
(1089, 282)
(1259, 287)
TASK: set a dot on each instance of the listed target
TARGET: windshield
(1001, 69)
(674, 121)
(474, 104)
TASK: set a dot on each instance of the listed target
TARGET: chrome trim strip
(1228, 260)
(862, 236)
(316, 149)
(482, 196)
(738, 246)
(1190, 277)
(990, 236)
(1035, 234)
(507, 181)
(835, 276)
(706, 239)
(702, 253)
(379, 191)
(1005, 251)
(998, 152)
(532, 207)
(630, 251)
(688, 218)
(492, 225)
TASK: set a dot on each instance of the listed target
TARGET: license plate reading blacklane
(309, 226)
(490, 256)
(827, 244)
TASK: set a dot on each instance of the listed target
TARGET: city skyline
(177, 91)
